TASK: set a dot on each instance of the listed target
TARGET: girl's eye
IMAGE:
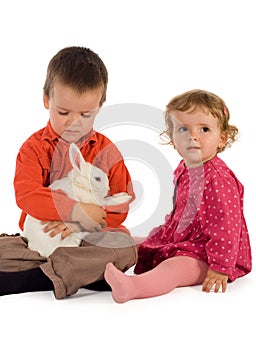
(183, 129)
(205, 129)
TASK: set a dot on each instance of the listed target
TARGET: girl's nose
(193, 136)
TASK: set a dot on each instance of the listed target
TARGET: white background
(153, 50)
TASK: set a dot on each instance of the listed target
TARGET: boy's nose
(74, 118)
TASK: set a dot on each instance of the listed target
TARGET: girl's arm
(217, 279)
(222, 222)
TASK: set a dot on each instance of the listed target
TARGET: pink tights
(174, 272)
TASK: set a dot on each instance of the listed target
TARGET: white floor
(183, 319)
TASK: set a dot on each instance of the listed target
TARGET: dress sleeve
(222, 222)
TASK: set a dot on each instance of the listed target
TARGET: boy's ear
(46, 101)
(75, 156)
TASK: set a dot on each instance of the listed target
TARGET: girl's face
(72, 115)
(196, 136)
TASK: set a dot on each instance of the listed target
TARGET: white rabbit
(84, 183)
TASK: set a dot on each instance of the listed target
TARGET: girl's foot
(119, 283)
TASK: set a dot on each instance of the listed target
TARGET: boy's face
(72, 114)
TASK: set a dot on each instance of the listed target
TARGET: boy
(74, 90)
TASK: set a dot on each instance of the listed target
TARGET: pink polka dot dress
(206, 223)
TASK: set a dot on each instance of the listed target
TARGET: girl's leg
(174, 272)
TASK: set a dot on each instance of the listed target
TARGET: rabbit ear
(75, 156)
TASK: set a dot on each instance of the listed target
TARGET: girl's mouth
(191, 148)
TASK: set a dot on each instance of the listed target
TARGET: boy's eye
(86, 115)
(82, 115)
(205, 129)
(90, 114)
(63, 113)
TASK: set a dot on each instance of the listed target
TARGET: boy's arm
(119, 181)
(33, 196)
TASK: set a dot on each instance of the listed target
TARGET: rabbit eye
(97, 178)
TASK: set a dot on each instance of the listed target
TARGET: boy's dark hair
(78, 67)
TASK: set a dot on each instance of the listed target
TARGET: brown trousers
(70, 268)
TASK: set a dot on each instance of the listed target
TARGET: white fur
(84, 183)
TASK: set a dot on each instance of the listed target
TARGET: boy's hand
(215, 278)
(90, 216)
(65, 228)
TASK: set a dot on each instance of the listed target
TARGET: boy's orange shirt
(44, 158)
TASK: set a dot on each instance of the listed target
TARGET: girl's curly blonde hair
(193, 99)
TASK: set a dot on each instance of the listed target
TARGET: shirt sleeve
(107, 156)
(222, 221)
(119, 181)
(33, 196)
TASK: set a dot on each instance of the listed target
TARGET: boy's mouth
(71, 131)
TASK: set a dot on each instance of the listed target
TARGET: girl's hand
(215, 278)
(65, 228)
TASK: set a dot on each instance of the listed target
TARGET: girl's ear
(46, 101)
(223, 140)
(75, 156)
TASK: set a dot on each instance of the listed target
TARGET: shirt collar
(49, 133)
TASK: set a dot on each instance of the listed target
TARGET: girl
(204, 239)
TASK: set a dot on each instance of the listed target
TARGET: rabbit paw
(117, 198)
